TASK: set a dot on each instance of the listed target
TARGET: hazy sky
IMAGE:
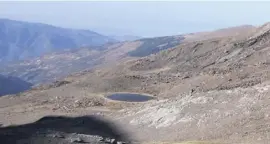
(139, 18)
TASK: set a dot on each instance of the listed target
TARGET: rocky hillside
(21, 40)
(225, 63)
(215, 63)
(12, 85)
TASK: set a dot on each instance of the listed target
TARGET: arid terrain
(213, 87)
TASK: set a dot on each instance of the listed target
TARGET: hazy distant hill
(12, 85)
(126, 38)
(20, 40)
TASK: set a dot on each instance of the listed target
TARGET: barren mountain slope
(220, 63)
(209, 90)
(236, 32)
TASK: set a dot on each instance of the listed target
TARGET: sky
(146, 19)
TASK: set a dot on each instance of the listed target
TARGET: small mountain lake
(128, 97)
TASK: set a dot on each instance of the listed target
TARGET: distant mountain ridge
(125, 37)
(20, 40)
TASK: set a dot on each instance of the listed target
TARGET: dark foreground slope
(60, 129)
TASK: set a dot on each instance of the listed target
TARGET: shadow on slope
(12, 85)
(39, 131)
(154, 45)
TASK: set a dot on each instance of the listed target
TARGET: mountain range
(21, 40)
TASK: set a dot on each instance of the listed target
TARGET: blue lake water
(128, 97)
